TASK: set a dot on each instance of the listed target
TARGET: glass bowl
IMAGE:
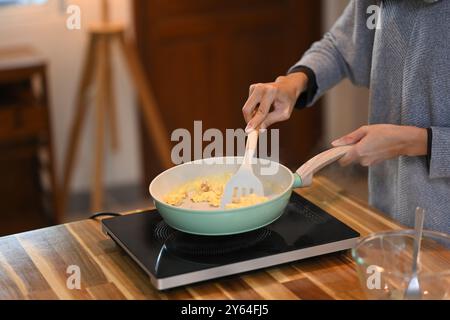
(384, 264)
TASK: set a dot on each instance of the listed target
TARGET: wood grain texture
(33, 265)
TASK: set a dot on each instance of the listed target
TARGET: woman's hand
(376, 143)
(269, 103)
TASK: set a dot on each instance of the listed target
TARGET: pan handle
(307, 171)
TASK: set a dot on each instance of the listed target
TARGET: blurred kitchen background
(194, 60)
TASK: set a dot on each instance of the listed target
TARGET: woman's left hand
(376, 143)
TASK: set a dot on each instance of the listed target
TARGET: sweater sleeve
(440, 153)
(308, 95)
(344, 52)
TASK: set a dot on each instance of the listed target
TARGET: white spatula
(244, 182)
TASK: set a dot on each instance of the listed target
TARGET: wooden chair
(25, 121)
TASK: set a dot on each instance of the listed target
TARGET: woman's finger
(263, 110)
(251, 89)
(350, 157)
(251, 103)
(275, 116)
(351, 138)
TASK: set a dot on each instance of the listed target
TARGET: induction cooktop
(172, 258)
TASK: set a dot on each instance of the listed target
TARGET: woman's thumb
(351, 138)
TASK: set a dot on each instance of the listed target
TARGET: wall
(345, 106)
(44, 27)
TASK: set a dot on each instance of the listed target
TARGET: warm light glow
(21, 2)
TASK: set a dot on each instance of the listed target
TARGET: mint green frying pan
(278, 183)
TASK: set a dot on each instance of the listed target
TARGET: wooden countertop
(33, 265)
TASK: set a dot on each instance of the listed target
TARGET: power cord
(104, 214)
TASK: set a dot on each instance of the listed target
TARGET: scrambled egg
(246, 201)
(209, 190)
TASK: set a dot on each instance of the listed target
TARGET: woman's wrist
(415, 141)
(300, 82)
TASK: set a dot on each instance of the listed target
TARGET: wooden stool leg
(97, 189)
(80, 113)
(154, 123)
(110, 98)
(56, 199)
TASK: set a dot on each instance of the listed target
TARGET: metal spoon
(413, 291)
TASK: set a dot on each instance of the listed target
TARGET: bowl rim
(402, 232)
(289, 188)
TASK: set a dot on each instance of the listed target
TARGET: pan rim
(289, 188)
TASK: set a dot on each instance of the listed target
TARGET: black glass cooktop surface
(173, 258)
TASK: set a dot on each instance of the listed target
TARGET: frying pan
(190, 218)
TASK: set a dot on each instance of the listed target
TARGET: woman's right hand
(269, 103)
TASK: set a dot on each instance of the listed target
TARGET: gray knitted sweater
(406, 64)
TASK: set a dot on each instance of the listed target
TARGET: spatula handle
(252, 140)
(250, 148)
(307, 171)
